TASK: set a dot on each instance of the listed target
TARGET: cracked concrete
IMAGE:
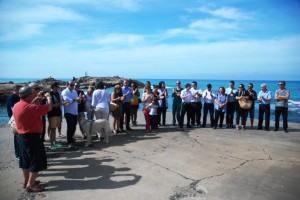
(199, 163)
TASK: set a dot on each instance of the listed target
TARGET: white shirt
(208, 96)
(68, 96)
(188, 94)
(196, 97)
(100, 99)
(231, 97)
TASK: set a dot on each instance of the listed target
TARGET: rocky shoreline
(85, 82)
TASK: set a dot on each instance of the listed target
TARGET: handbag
(245, 104)
(113, 106)
(12, 125)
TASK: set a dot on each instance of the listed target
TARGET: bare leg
(26, 177)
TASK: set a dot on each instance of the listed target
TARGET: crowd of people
(29, 106)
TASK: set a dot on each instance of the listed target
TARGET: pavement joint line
(166, 168)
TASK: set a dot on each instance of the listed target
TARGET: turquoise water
(294, 102)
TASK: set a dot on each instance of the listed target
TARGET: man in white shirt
(186, 96)
(209, 98)
(196, 104)
(70, 96)
(231, 104)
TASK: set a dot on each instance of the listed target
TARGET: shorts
(54, 121)
(32, 152)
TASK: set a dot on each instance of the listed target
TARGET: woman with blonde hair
(88, 103)
(117, 98)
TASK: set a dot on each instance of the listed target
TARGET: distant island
(85, 82)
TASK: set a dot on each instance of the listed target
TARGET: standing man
(80, 105)
(12, 99)
(70, 96)
(126, 106)
(196, 104)
(231, 91)
(264, 97)
(253, 98)
(186, 96)
(54, 116)
(176, 107)
(28, 119)
(209, 98)
(282, 96)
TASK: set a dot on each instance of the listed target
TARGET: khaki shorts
(54, 122)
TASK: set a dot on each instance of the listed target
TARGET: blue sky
(197, 39)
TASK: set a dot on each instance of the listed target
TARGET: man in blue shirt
(12, 99)
(126, 106)
(264, 97)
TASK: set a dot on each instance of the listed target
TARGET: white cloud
(21, 32)
(212, 24)
(116, 39)
(225, 12)
(17, 23)
(222, 58)
(39, 14)
(105, 5)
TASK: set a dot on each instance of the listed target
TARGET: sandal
(37, 182)
(35, 188)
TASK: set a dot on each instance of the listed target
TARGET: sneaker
(17, 158)
(276, 129)
(61, 136)
(129, 129)
(57, 145)
(53, 148)
(285, 130)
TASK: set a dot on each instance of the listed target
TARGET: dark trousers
(176, 109)
(196, 113)
(185, 108)
(71, 127)
(153, 122)
(44, 128)
(126, 109)
(161, 115)
(264, 109)
(208, 107)
(284, 112)
(230, 113)
(16, 146)
(219, 114)
(241, 113)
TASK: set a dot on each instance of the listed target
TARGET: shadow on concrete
(87, 173)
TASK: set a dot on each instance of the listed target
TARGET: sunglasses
(37, 88)
(71, 84)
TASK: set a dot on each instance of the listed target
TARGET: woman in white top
(100, 101)
(89, 96)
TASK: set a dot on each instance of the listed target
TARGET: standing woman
(220, 107)
(147, 99)
(163, 101)
(242, 113)
(134, 102)
(117, 98)
(100, 101)
(89, 97)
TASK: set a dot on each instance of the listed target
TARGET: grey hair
(32, 84)
(24, 92)
(264, 84)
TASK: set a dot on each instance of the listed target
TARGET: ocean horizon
(272, 85)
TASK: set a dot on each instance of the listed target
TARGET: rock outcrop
(85, 82)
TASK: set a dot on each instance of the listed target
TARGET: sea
(293, 86)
